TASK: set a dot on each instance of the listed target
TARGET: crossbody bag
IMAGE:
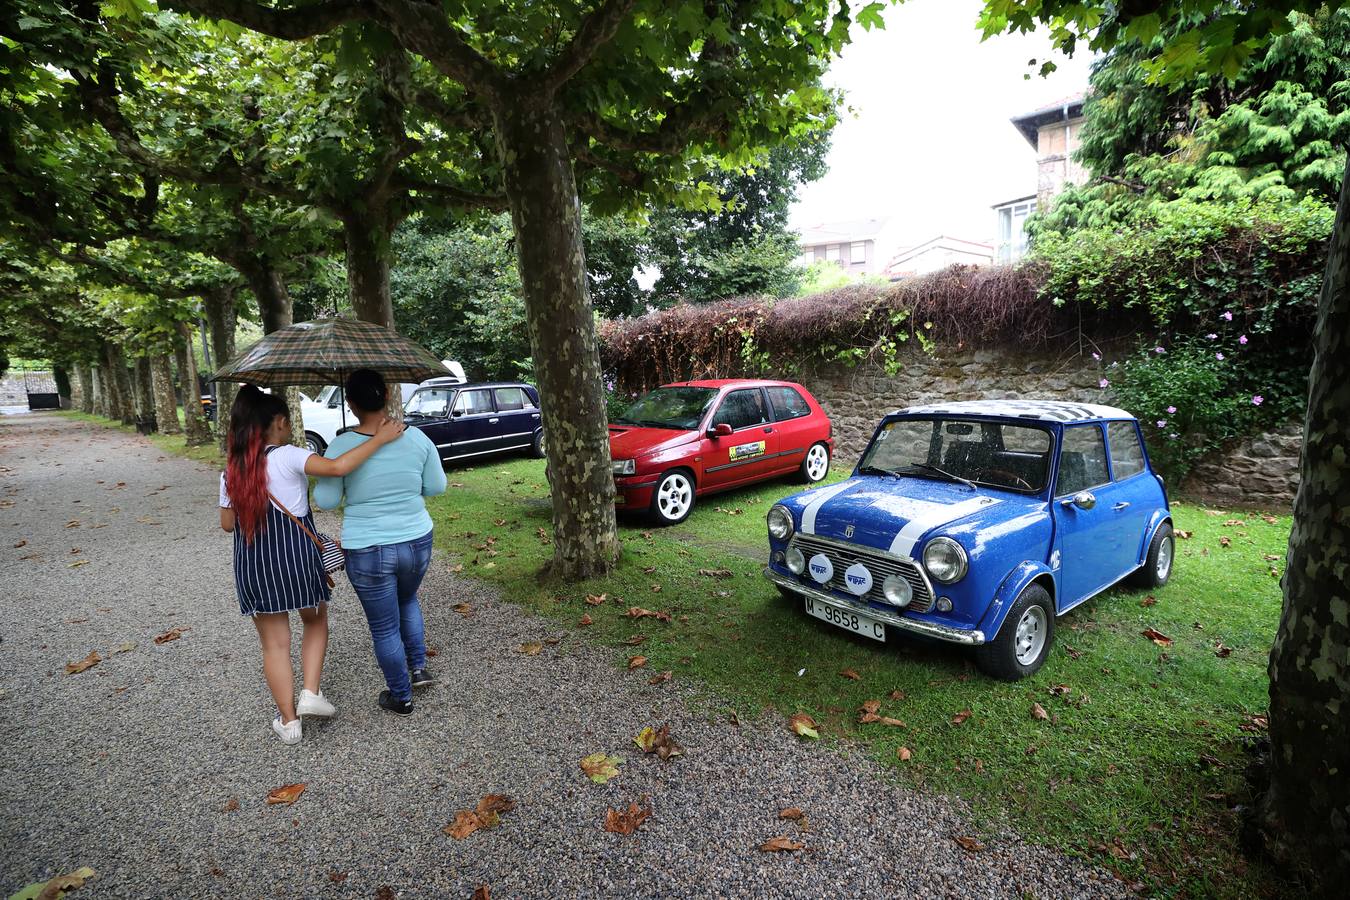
(330, 551)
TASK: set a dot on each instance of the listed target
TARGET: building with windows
(1054, 131)
(938, 253)
(860, 247)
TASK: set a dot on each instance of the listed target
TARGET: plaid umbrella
(326, 351)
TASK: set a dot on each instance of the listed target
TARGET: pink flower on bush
(1212, 336)
(1097, 356)
(1242, 340)
(1162, 423)
(1258, 400)
(1159, 350)
(1228, 317)
(1218, 356)
(1103, 383)
(1171, 410)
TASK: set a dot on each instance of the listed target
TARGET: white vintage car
(324, 415)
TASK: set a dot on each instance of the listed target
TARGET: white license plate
(856, 622)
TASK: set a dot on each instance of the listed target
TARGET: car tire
(537, 446)
(673, 497)
(314, 443)
(1023, 643)
(1157, 567)
(815, 464)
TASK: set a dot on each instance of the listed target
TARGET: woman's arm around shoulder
(433, 470)
(328, 492)
(322, 467)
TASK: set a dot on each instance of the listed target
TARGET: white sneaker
(314, 705)
(289, 732)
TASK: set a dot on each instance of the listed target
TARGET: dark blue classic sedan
(472, 420)
(978, 523)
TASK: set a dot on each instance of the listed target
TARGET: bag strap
(281, 506)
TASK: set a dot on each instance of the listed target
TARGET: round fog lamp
(897, 591)
(796, 561)
(944, 604)
(778, 557)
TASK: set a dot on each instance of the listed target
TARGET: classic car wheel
(1157, 567)
(673, 497)
(537, 448)
(816, 465)
(314, 443)
(1022, 644)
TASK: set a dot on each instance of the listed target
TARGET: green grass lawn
(1137, 767)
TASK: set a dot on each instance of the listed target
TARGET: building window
(857, 252)
(1012, 234)
(832, 252)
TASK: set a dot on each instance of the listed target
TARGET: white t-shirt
(286, 479)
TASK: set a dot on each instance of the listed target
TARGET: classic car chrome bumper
(931, 629)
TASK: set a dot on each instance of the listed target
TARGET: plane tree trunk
(198, 433)
(166, 401)
(222, 314)
(1305, 814)
(547, 216)
(145, 393)
(367, 233)
(121, 404)
(84, 383)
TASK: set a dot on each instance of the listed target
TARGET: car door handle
(768, 429)
(492, 421)
(1121, 505)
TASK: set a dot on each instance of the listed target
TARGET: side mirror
(721, 429)
(457, 413)
(1082, 500)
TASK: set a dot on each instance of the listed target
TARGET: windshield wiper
(878, 470)
(944, 473)
(622, 421)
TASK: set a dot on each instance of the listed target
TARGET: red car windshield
(678, 408)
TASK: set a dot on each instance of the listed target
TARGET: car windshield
(429, 402)
(680, 408)
(999, 454)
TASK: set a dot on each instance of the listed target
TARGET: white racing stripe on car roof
(818, 499)
(904, 542)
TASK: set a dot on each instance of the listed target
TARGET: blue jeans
(386, 578)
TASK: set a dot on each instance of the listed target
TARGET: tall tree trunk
(61, 375)
(84, 382)
(274, 303)
(221, 318)
(194, 422)
(123, 405)
(367, 233)
(145, 392)
(1306, 812)
(166, 402)
(547, 215)
(99, 394)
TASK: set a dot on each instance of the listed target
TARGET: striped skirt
(280, 571)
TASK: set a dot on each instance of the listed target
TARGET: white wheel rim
(674, 496)
(1164, 566)
(817, 462)
(1029, 639)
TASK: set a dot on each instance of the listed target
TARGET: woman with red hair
(277, 569)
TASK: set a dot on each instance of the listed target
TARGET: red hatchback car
(684, 440)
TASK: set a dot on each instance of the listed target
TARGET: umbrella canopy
(325, 351)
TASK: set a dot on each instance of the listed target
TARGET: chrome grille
(882, 565)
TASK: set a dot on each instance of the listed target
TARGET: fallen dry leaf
(600, 767)
(871, 706)
(385, 892)
(716, 573)
(465, 823)
(792, 812)
(1072, 653)
(635, 640)
(896, 695)
(1184, 535)
(531, 648)
(596, 599)
(867, 718)
(20, 544)
(1225, 542)
(1222, 651)
(1269, 520)
(172, 634)
(636, 662)
(658, 741)
(656, 589)
(968, 843)
(887, 720)
(482, 892)
(1150, 600)
(74, 668)
(961, 717)
(850, 674)
(77, 563)
(585, 620)
(55, 888)
(337, 877)
(286, 795)
(628, 821)
(1038, 712)
(660, 677)
(1157, 637)
(637, 612)
(781, 844)
(904, 753)
(804, 726)
(486, 815)
(1059, 690)
(457, 568)
(462, 608)
(231, 805)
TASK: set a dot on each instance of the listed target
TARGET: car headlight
(780, 523)
(625, 466)
(796, 561)
(945, 560)
(897, 590)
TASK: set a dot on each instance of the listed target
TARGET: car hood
(898, 514)
(633, 441)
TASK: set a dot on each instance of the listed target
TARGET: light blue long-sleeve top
(383, 498)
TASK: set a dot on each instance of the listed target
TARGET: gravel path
(134, 766)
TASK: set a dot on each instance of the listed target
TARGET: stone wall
(1259, 472)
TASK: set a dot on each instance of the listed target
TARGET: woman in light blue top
(386, 534)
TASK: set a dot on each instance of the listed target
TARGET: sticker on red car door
(745, 451)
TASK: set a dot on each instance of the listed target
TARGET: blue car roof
(1040, 410)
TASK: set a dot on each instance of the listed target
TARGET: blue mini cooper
(977, 523)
